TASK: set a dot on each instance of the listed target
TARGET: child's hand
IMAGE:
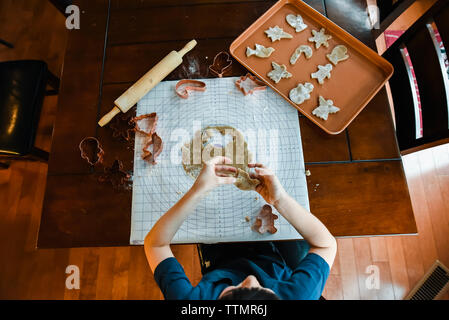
(269, 188)
(215, 172)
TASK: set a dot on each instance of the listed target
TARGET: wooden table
(357, 185)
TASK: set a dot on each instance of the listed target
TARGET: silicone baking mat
(270, 127)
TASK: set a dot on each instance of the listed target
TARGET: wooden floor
(122, 273)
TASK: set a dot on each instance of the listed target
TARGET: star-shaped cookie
(279, 72)
(320, 38)
(325, 107)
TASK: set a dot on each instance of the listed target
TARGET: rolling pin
(146, 83)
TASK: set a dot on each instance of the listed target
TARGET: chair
(61, 5)
(422, 115)
(22, 90)
(389, 11)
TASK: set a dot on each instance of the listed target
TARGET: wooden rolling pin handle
(108, 116)
(189, 46)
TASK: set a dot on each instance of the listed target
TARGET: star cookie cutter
(183, 87)
(91, 150)
(221, 64)
(249, 84)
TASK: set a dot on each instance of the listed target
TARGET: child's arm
(313, 230)
(157, 241)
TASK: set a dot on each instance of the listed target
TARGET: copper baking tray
(353, 82)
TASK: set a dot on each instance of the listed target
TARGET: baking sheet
(271, 128)
(353, 82)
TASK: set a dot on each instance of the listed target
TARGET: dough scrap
(219, 141)
(279, 72)
(322, 73)
(325, 107)
(301, 93)
(265, 221)
(276, 33)
(307, 50)
(320, 38)
(296, 22)
(260, 51)
(339, 53)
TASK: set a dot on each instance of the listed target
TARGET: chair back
(420, 83)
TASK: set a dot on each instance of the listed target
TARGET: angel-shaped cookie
(339, 53)
(322, 73)
(301, 49)
(296, 22)
(325, 107)
(301, 93)
(279, 72)
(320, 38)
(260, 51)
(276, 33)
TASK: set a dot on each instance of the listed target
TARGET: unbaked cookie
(279, 72)
(260, 51)
(296, 22)
(307, 50)
(320, 38)
(339, 53)
(276, 33)
(322, 73)
(301, 93)
(325, 107)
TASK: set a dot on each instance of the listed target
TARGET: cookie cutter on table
(184, 87)
(221, 64)
(255, 84)
(91, 150)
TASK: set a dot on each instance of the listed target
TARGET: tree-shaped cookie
(325, 107)
(320, 38)
(265, 221)
(322, 73)
(296, 22)
(301, 93)
(279, 72)
(276, 33)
